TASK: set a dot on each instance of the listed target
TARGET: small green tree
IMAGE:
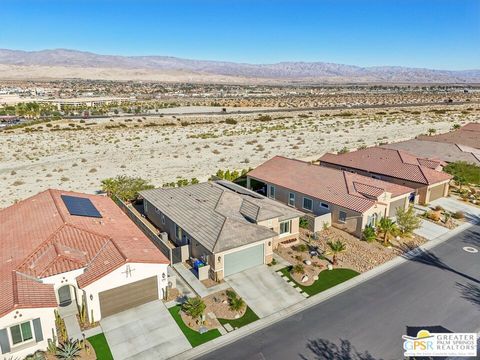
(388, 228)
(407, 220)
(303, 223)
(336, 247)
(194, 307)
(125, 187)
(456, 126)
(369, 234)
(432, 131)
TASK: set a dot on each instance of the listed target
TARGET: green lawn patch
(326, 279)
(193, 337)
(247, 318)
(100, 346)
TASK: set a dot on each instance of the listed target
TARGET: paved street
(441, 287)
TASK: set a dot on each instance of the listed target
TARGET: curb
(316, 299)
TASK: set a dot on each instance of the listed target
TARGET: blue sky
(443, 34)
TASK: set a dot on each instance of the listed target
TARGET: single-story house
(225, 225)
(446, 152)
(66, 249)
(354, 201)
(396, 166)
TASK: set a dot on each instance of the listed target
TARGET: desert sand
(167, 148)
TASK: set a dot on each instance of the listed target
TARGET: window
(323, 205)
(163, 219)
(291, 199)
(145, 206)
(178, 232)
(21, 333)
(307, 204)
(285, 227)
(271, 193)
(342, 216)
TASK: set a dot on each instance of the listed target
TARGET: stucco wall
(354, 223)
(67, 278)
(47, 319)
(397, 203)
(118, 278)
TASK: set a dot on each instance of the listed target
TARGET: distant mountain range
(63, 64)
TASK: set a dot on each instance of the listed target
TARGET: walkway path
(197, 286)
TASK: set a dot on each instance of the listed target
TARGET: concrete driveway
(472, 213)
(145, 332)
(430, 231)
(264, 290)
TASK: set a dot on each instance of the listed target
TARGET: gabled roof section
(220, 215)
(348, 190)
(389, 162)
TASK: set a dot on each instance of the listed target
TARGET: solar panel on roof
(80, 206)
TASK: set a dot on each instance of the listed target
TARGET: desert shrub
(236, 303)
(231, 121)
(298, 269)
(433, 215)
(303, 223)
(301, 248)
(458, 215)
(369, 234)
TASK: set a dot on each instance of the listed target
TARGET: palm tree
(336, 248)
(194, 307)
(388, 228)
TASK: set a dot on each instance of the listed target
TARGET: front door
(64, 296)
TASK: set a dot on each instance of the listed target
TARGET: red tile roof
(351, 191)
(390, 162)
(39, 238)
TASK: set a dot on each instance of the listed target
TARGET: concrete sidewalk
(430, 231)
(314, 300)
(197, 286)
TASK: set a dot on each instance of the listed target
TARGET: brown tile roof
(472, 127)
(39, 238)
(468, 135)
(351, 191)
(390, 162)
(437, 150)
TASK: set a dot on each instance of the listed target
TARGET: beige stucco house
(425, 176)
(352, 200)
(224, 225)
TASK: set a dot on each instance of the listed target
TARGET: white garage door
(243, 259)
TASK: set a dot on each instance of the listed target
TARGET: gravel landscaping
(360, 255)
(217, 304)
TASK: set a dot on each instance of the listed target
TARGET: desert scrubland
(78, 154)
